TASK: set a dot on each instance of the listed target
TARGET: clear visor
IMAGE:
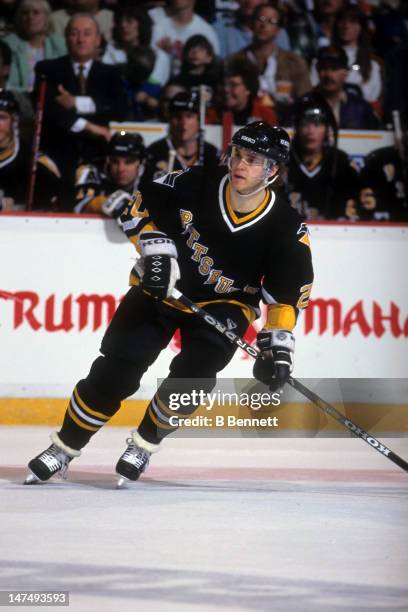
(317, 120)
(249, 157)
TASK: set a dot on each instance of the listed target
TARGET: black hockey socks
(161, 417)
(87, 412)
(97, 398)
(156, 423)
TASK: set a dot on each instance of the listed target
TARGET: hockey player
(383, 182)
(227, 241)
(15, 164)
(321, 181)
(107, 190)
(180, 149)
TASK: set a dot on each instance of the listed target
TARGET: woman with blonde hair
(32, 42)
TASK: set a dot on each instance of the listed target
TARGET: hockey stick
(36, 141)
(227, 128)
(201, 134)
(399, 142)
(310, 395)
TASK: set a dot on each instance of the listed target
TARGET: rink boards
(63, 276)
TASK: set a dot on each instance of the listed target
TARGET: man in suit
(82, 96)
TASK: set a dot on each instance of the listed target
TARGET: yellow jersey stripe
(240, 220)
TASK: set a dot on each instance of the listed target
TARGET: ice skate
(54, 460)
(135, 459)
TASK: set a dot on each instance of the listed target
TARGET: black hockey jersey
(162, 158)
(14, 174)
(224, 255)
(322, 192)
(383, 192)
(94, 185)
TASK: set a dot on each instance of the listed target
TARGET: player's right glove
(116, 203)
(275, 364)
(158, 267)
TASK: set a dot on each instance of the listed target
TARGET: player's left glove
(116, 203)
(158, 267)
(275, 364)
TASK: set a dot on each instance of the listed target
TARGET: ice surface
(241, 524)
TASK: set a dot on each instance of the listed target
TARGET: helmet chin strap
(265, 184)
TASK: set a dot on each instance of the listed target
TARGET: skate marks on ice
(168, 588)
(94, 477)
(390, 483)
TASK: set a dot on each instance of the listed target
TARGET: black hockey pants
(139, 330)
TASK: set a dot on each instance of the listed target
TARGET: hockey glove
(275, 363)
(159, 269)
(116, 203)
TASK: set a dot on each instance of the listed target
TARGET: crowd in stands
(314, 66)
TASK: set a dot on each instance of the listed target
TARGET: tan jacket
(290, 67)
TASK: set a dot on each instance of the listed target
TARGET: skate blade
(121, 482)
(31, 479)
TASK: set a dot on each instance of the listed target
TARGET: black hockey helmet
(313, 107)
(123, 144)
(262, 138)
(8, 102)
(183, 102)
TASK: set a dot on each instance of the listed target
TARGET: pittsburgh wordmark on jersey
(223, 254)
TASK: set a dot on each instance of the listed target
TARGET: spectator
(32, 42)
(83, 95)
(235, 30)
(26, 113)
(240, 96)
(321, 181)
(347, 103)
(148, 69)
(15, 164)
(283, 74)
(200, 66)
(180, 149)
(104, 17)
(383, 182)
(107, 188)
(171, 31)
(203, 8)
(167, 94)
(352, 33)
(143, 96)
(302, 29)
(327, 12)
(310, 30)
